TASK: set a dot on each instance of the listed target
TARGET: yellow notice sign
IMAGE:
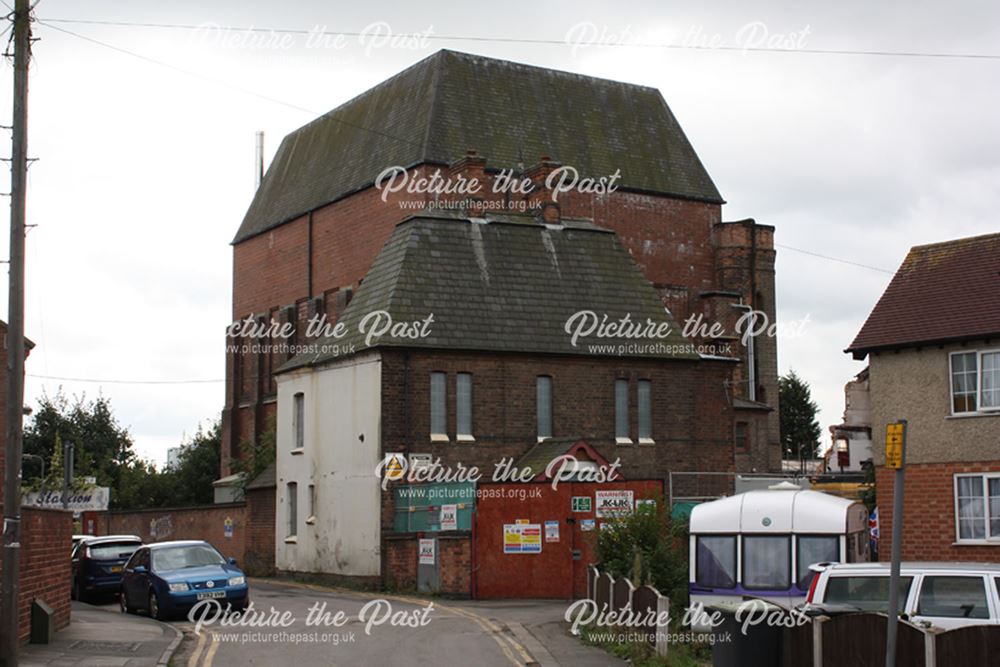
(894, 434)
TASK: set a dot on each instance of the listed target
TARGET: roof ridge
(958, 241)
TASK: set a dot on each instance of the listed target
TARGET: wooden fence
(852, 640)
(645, 603)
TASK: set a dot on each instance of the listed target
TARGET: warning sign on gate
(613, 503)
(522, 538)
(426, 552)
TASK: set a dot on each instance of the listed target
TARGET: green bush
(649, 548)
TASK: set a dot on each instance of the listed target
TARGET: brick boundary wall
(454, 564)
(260, 518)
(46, 540)
(202, 522)
(929, 513)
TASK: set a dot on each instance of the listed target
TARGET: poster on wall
(449, 517)
(581, 503)
(427, 551)
(587, 525)
(551, 531)
(613, 503)
(522, 538)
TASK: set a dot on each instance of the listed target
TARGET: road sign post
(895, 458)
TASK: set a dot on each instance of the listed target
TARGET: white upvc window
(975, 381)
(977, 507)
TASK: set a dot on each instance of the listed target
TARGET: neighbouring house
(46, 536)
(933, 349)
(851, 440)
(327, 240)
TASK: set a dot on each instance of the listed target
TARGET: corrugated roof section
(942, 292)
(451, 102)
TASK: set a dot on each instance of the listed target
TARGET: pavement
(102, 636)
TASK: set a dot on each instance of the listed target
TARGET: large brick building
(319, 220)
(933, 348)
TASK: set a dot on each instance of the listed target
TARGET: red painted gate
(546, 569)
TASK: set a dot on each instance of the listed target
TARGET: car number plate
(211, 595)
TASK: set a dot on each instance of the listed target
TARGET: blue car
(98, 563)
(168, 578)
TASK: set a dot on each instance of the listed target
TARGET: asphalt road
(382, 629)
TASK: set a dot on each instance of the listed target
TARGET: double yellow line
(209, 655)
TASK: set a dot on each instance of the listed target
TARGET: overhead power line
(539, 41)
(834, 259)
(305, 110)
(96, 381)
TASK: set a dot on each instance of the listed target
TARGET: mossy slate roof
(441, 107)
(500, 287)
(942, 292)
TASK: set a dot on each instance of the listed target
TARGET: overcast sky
(144, 171)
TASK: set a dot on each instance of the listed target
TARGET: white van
(946, 595)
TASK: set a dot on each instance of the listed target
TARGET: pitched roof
(538, 458)
(942, 292)
(501, 286)
(448, 103)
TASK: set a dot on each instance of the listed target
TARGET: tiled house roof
(942, 292)
(501, 286)
(448, 103)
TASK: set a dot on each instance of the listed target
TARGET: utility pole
(895, 459)
(15, 340)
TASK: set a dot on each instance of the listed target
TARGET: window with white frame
(463, 406)
(977, 507)
(621, 411)
(439, 414)
(292, 498)
(299, 420)
(975, 381)
(543, 402)
(644, 395)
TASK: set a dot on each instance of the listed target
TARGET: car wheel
(123, 603)
(154, 606)
(78, 593)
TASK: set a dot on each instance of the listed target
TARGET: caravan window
(814, 549)
(716, 561)
(767, 562)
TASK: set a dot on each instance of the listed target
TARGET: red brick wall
(670, 239)
(454, 562)
(189, 523)
(455, 554)
(259, 559)
(692, 418)
(46, 540)
(929, 513)
(400, 561)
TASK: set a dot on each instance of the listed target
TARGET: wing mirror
(231, 561)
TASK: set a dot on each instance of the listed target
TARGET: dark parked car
(98, 564)
(168, 578)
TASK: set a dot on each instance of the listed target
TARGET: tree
(198, 467)
(103, 448)
(799, 427)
